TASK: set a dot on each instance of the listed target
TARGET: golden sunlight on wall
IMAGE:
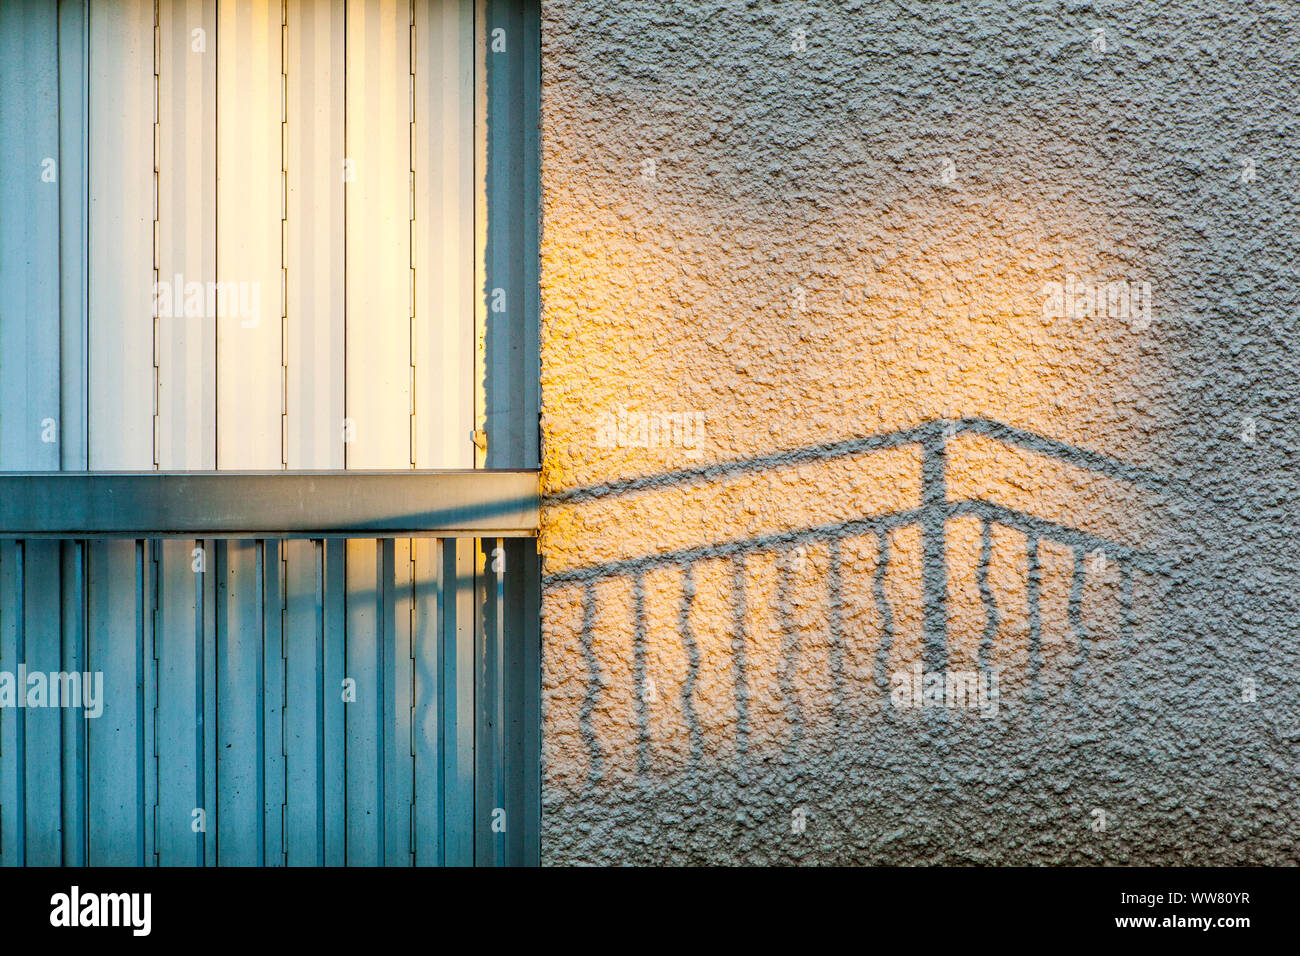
(709, 596)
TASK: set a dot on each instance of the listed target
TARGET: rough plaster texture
(808, 246)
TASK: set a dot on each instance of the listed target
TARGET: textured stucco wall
(810, 237)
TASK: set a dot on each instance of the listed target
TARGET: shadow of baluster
(1076, 621)
(837, 639)
(692, 664)
(986, 596)
(738, 610)
(1127, 645)
(934, 529)
(885, 611)
(790, 652)
(1035, 617)
(639, 673)
(585, 724)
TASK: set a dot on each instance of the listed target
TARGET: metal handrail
(281, 504)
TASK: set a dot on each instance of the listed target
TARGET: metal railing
(317, 668)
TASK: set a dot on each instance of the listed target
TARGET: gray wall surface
(772, 229)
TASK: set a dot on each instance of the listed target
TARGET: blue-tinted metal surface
(392, 719)
(271, 693)
(513, 88)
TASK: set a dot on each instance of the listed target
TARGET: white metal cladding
(321, 158)
(326, 171)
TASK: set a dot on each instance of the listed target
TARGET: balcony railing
(318, 668)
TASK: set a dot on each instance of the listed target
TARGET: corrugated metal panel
(74, 725)
(314, 230)
(30, 803)
(117, 585)
(179, 652)
(209, 145)
(363, 717)
(74, 441)
(378, 186)
(510, 91)
(42, 652)
(29, 245)
(187, 233)
(305, 733)
(314, 746)
(333, 767)
(121, 346)
(399, 698)
(250, 213)
(444, 250)
(29, 241)
(490, 811)
(74, 202)
(239, 821)
(508, 811)
(458, 688)
(427, 642)
(304, 656)
(13, 763)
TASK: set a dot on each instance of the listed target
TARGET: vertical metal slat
(399, 757)
(364, 713)
(458, 702)
(429, 640)
(13, 827)
(303, 819)
(240, 743)
(29, 237)
(273, 705)
(42, 654)
(74, 720)
(74, 249)
(335, 732)
(115, 740)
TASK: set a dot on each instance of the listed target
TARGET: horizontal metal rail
(315, 504)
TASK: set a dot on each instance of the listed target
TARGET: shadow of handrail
(926, 433)
(932, 516)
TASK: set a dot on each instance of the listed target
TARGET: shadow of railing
(939, 505)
